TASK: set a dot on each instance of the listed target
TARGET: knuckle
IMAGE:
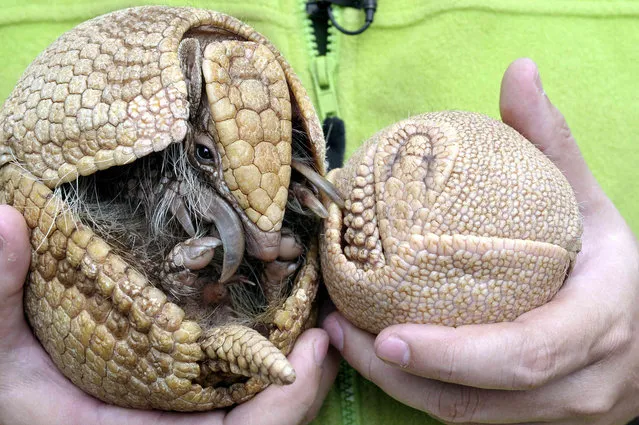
(619, 339)
(449, 365)
(537, 363)
(455, 404)
(564, 132)
(563, 139)
(597, 405)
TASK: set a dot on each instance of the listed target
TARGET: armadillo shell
(104, 94)
(451, 218)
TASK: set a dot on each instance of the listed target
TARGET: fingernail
(11, 256)
(394, 350)
(539, 85)
(320, 348)
(335, 333)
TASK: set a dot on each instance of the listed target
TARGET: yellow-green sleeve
(425, 56)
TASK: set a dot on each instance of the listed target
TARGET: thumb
(525, 107)
(15, 255)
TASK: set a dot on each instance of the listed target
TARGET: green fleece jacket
(417, 57)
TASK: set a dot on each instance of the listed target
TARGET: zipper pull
(314, 7)
(322, 71)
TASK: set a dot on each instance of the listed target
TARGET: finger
(454, 403)
(15, 255)
(357, 348)
(525, 107)
(289, 404)
(536, 348)
(330, 368)
(283, 405)
(575, 400)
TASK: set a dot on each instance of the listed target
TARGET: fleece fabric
(421, 56)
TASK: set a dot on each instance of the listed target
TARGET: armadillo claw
(273, 275)
(179, 211)
(320, 182)
(307, 198)
(244, 351)
(177, 272)
(193, 254)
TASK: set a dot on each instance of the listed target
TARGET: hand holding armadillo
(147, 149)
(34, 392)
(169, 166)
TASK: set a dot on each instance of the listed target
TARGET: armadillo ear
(190, 57)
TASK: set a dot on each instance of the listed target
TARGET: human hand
(33, 391)
(574, 360)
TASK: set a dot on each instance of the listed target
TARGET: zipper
(323, 66)
(322, 43)
(346, 379)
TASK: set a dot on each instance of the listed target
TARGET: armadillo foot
(244, 351)
(274, 276)
(276, 273)
(192, 254)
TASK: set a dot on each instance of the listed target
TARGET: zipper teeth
(347, 376)
(346, 386)
(309, 33)
(332, 39)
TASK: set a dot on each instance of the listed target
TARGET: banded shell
(106, 94)
(451, 218)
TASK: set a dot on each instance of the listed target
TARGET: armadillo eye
(204, 154)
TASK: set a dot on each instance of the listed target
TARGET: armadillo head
(242, 137)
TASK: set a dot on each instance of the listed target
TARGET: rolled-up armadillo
(169, 164)
(450, 218)
(154, 153)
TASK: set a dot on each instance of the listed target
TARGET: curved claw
(179, 211)
(198, 253)
(320, 182)
(307, 198)
(229, 227)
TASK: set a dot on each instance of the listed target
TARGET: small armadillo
(168, 163)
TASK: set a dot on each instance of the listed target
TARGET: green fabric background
(423, 56)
